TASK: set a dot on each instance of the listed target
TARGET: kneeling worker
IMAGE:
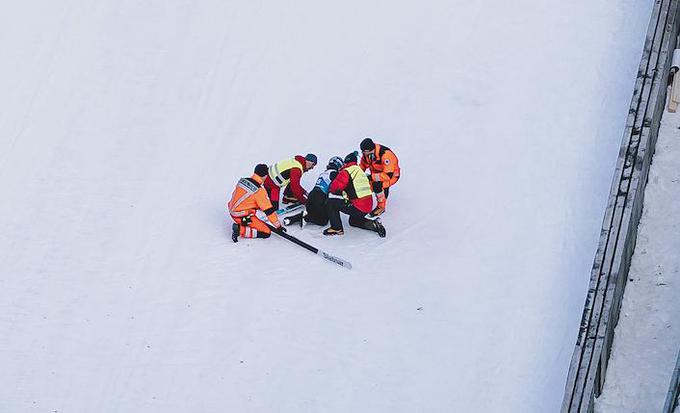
(249, 197)
(384, 168)
(286, 174)
(351, 181)
(316, 211)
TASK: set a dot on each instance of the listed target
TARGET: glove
(277, 226)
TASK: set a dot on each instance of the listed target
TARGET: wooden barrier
(622, 215)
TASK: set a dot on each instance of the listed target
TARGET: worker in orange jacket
(249, 197)
(384, 171)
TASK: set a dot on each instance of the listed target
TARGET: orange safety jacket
(384, 167)
(248, 197)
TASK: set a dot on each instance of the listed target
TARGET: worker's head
(261, 170)
(351, 157)
(310, 161)
(335, 163)
(368, 148)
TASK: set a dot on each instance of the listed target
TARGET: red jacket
(340, 184)
(295, 175)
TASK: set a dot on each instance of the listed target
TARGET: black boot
(234, 232)
(289, 199)
(379, 228)
(331, 231)
(293, 219)
(370, 224)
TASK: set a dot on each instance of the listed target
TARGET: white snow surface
(125, 125)
(647, 337)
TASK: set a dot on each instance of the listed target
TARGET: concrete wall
(672, 401)
(619, 229)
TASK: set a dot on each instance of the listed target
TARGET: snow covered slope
(124, 126)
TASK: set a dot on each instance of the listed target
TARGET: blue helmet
(335, 163)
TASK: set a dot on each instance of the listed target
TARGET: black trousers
(357, 218)
(317, 212)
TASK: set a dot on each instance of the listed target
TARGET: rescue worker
(384, 171)
(356, 202)
(287, 173)
(249, 197)
(316, 212)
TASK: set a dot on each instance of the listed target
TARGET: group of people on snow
(347, 186)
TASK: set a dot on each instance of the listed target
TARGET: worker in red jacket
(286, 174)
(350, 193)
(384, 168)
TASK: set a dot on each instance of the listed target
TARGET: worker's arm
(340, 182)
(263, 203)
(295, 187)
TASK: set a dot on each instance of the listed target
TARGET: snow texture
(647, 337)
(124, 126)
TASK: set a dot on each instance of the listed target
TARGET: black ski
(323, 254)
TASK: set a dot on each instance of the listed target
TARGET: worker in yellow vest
(286, 174)
(350, 193)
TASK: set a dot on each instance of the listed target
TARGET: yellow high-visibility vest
(280, 171)
(360, 182)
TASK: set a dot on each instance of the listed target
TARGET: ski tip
(335, 260)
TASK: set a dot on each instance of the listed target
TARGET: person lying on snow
(249, 197)
(316, 201)
(384, 170)
(356, 202)
(286, 174)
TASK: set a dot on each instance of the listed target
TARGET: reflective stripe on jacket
(354, 183)
(280, 171)
(248, 197)
(359, 185)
